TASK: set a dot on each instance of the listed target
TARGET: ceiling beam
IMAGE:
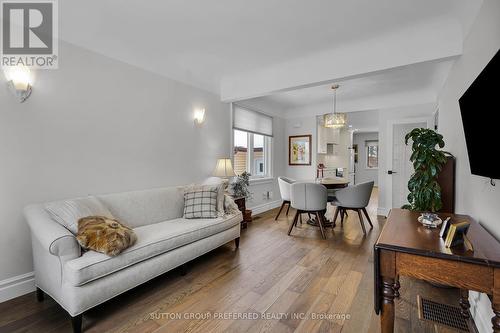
(385, 101)
(425, 42)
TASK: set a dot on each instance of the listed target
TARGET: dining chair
(284, 185)
(309, 198)
(355, 198)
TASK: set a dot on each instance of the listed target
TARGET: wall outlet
(268, 195)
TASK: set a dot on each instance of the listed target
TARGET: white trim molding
(265, 207)
(261, 180)
(17, 286)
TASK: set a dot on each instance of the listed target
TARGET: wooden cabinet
(321, 144)
(446, 180)
(327, 138)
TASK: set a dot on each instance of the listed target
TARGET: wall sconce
(19, 81)
(199, 116)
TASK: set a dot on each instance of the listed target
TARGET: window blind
(371, 143)
(252, 121)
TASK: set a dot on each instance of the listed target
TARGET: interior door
(402, 168)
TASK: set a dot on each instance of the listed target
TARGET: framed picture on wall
(299, 150)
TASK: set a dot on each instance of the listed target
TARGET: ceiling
(199, 41)
(423, 80)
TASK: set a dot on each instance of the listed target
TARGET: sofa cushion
(68, 212)
(138, 208)
(152, 240)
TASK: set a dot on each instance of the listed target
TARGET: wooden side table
(247, 214)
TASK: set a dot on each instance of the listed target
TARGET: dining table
(334, 183)
(330, 184)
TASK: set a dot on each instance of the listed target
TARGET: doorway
(402, 168)
(398, 166)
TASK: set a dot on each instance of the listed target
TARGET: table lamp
(224, 169)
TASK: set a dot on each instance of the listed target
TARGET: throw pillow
(68, 212)
(104, 235)
(216, 181)
(201, 202)
(230, 207)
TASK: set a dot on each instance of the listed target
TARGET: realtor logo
(29, 34)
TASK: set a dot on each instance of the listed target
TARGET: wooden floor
(271, 277)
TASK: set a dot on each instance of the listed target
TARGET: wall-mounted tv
(480, 109)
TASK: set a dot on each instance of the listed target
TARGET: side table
(247, 214)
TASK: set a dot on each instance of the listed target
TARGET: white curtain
(252, 121)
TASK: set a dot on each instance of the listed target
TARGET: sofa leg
(76, 323)
(237, 243)
(40, 295)
(184, 269)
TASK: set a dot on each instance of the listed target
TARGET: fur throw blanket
(105, 235)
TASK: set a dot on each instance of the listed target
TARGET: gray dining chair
(285, 191)
(309, 198)
(355, 198)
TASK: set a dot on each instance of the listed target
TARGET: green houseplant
(428, 161)
(239, 186)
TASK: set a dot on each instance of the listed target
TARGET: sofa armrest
(58, 240)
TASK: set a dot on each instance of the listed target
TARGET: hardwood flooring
(274, 283)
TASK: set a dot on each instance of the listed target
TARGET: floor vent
(442, 314)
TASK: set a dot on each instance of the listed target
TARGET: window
(258, 155)
(251, 154)
(252, 138)
(240, 152)
(371, 154)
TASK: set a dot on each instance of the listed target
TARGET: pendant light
(334, 119)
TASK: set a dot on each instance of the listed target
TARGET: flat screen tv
(480, 109)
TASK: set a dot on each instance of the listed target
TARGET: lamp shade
(335, 120)
(224, 168)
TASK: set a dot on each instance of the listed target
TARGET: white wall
(474, 195)
(365, 121)
(95, 126)
(363, 174)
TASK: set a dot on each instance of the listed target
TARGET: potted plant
(428, 161)
(239, 186)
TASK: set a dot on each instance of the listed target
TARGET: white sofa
(80, 280)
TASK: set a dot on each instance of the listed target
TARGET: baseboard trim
(17, 286)
(265, 207)
(383, 211)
